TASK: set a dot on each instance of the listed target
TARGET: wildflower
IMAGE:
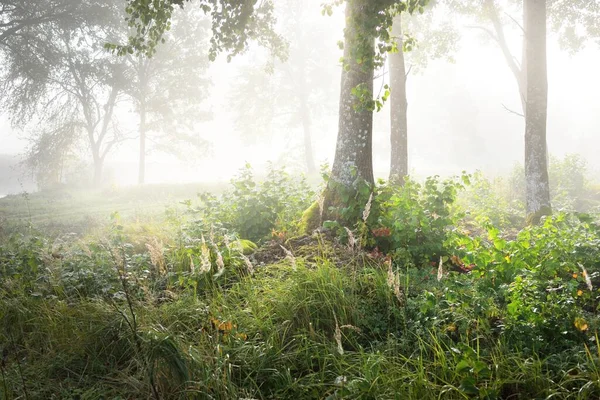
(367, 210)
(157, 258)
(289, 256)
(381, 232)
(192, 266)
(351, 239)
(588, 281)
(321, 202)
(351, 327)
(393, 281)
(340, 380)
(205, 264)
(226, 241)
(581, 324)
(338, 337)
(249, 265)
(220, 263)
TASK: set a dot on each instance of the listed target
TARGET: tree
(418, 39)
(49, 155)
(353, 155)
(574, 21)
(366, 22)
(169, 88)
(270, 97)
(398, 108)
(58, 77)
(233, 25)
(18, 15)
(536, 110)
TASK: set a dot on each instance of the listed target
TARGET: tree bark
(536, 166)
(398, 109)
(353, 160)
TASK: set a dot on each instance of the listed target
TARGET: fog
(458, 117)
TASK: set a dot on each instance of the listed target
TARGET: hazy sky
(456, 118)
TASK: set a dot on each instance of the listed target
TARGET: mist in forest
(463, 107)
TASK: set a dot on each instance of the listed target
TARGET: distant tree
(536, 110)
(418, 39)
(19, 15)
(575, 22)
(398, 107)
(233, 25)
(57, 78)
(50, 154)
(169, 90)
(286, 95)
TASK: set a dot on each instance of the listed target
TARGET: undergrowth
(425, 297)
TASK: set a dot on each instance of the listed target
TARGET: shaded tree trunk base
(311, 219)
(345, 204)
(534, 218)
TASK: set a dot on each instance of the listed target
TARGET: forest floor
(153, 296)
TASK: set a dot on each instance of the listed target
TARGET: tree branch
(516, 22)
(513, 111)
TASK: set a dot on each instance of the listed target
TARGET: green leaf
(462, 366)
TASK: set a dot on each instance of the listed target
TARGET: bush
(254, 209)
(414, 220)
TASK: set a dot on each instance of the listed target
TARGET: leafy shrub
(491, 202)
(414, 220)
(544, 282)
(570, 189)
(253, 209)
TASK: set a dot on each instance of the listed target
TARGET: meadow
(440, 291)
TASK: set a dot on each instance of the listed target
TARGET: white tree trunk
(536, 165)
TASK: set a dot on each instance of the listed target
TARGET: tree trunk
(143, 65)
(353, 161)
(536, 166)
(142, 161)
(308, 148)
(398, 109)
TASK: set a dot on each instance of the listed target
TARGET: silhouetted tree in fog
(575, 22)
(419, 39)
(170, 90)
(398, 108)
(58, 77)
(271, 98)
(19, 15)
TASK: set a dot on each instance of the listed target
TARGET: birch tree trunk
(536, 165)
(398, 109)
